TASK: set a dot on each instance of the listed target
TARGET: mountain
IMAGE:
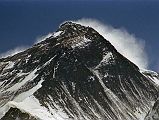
(75, 74)
(153, 113)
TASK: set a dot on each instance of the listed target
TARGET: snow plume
(13, 51)
(22, 48)
(42, 38)
(125, 43)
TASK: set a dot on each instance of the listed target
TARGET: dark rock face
(153, 114)
(74, 74)
(16, 114)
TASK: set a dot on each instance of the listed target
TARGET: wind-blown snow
(44, 37)
(13, 51)
(127, 44)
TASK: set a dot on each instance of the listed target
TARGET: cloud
(13, 51)
(125, 43)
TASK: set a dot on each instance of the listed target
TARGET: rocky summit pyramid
(75, 74)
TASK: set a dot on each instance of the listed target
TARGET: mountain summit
(75, 74)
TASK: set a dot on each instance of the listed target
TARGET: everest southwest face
(76, 74)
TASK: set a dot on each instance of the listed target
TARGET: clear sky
(22, 22)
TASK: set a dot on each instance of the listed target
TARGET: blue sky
(22, 22)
